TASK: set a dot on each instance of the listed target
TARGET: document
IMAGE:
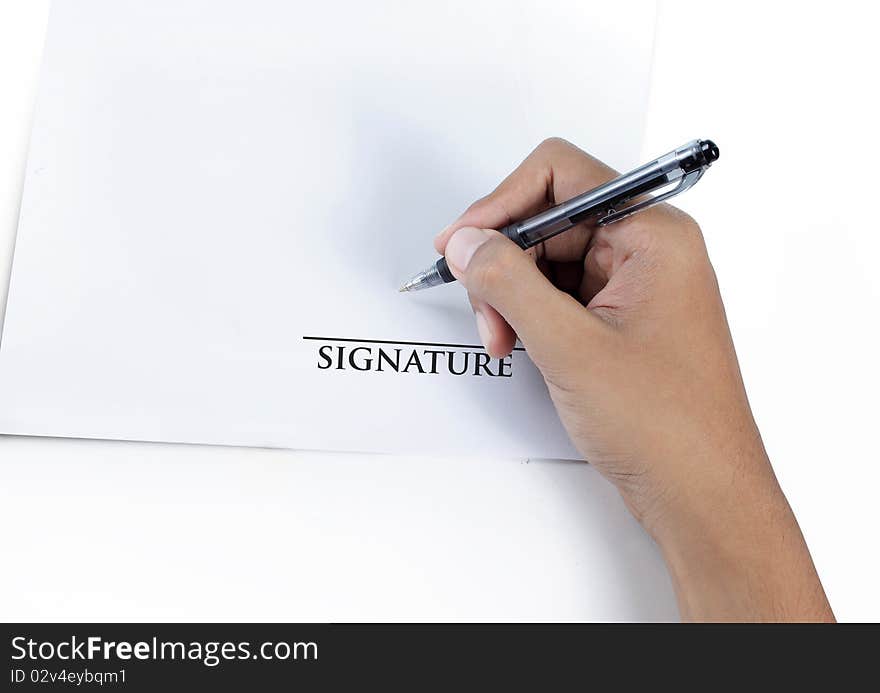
(222, 198)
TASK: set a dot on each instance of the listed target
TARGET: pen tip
(403, 289)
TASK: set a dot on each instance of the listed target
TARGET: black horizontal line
(398, 341)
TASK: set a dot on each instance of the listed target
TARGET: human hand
(627, 326)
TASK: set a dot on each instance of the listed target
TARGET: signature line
(398, 341)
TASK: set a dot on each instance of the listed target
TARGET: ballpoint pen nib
(423, 280)
(412, 284)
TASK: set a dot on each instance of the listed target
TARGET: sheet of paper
(222, 198)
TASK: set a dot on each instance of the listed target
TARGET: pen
(602, 205)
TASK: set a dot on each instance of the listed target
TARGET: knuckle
(690, 229)
(477, 204)
(672, 242)
(675, 233)
(492, 265)
(690, 244)
(484, 276)
(484, 212)
(553, 144)
(686, 253)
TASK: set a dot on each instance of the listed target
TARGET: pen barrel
(444, 271)
(512, 232)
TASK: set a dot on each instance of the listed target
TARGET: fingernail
(462, 246)
(484, 329)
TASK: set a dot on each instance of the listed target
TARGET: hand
(626, 324)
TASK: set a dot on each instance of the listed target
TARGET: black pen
(602, 205)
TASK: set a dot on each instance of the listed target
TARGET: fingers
(500, 276)
(496, 334)
(554, 172)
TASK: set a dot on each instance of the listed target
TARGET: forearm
(736, 553)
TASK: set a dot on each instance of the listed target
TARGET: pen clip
(686, 182)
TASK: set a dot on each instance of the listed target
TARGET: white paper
(211, 182)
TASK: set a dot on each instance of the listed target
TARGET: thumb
(495, 270)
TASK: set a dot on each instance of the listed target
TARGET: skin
(627, 326)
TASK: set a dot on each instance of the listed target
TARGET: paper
(222, 198)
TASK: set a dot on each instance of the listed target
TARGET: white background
(121, 531)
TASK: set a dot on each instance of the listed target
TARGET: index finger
(554, 172)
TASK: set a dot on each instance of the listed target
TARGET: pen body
(604, 200)
(676, 172)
